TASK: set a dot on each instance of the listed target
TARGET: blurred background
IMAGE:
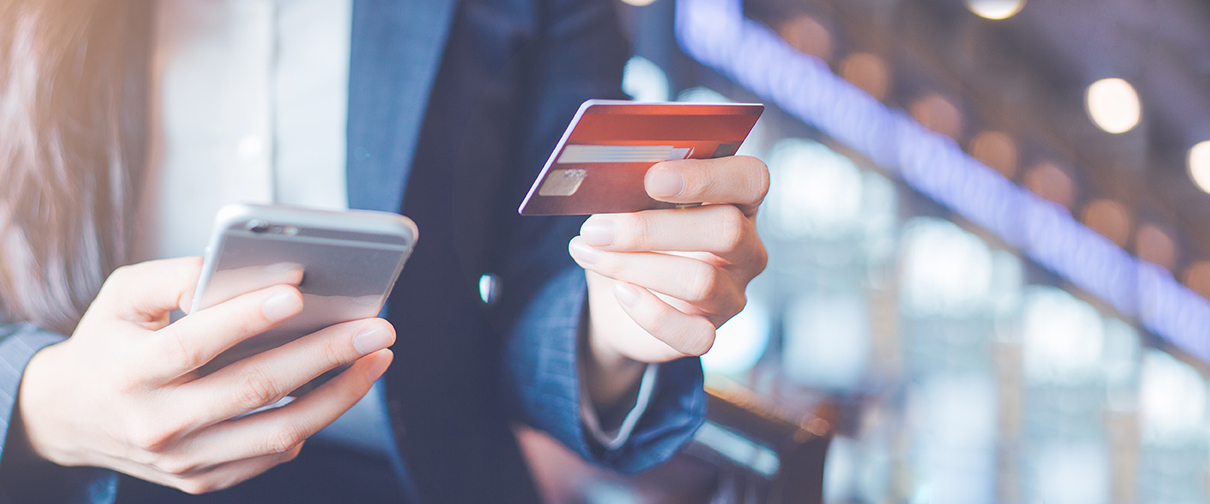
(988, 267)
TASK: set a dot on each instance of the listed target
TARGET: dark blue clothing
(453, 108)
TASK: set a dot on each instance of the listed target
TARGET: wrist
(35, 432)
(610, 377)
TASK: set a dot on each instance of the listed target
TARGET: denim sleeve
(542, 364)
(24, 477)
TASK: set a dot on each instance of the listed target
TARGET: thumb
(150, 290)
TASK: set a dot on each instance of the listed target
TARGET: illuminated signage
(715, 33)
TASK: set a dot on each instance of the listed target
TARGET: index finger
(739, 180)
(195, 339)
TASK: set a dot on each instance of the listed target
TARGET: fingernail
(584, 254)
(598, 232)
(626, 294)
(282, 306)
(665, 183)
(379, 365)
(372, 340)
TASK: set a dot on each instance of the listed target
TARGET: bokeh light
(827, 340)
(644, 81)
(701, 95)
(868, 72)
(1109, 218)
(1049, 181)
(997, 150)
(1197, 278)
(1063, 337)
(808, 35)
(814, 191)
(1073, 472)
(995, 9)
(638, 3)
(955, 462)
(946, 270)
(739, 343)
(1154, 245)
(1113, 105)
(1172, 400)
(939, 114)
(1199, 165)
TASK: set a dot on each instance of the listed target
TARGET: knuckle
(334, 351)
(702, 283)
(290, 454)
(180, 353)
(700, 342)
(732, 309)
(634, 230)
(151, 436)
(256, 389)
(733, 228)
(282, 439)
(762, 259)
(196, 486)
(176, 465)
(129, 380)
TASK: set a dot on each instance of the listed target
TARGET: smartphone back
(348, 261)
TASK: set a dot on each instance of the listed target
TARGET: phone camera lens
(258, 226)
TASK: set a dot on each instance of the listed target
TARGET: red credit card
(600, 163)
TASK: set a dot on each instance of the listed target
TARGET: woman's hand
(661, 281)
(123, 392)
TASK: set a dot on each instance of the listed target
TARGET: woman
(122, 393)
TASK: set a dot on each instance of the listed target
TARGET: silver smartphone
(348, 260)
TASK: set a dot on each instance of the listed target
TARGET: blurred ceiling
(1027, 76)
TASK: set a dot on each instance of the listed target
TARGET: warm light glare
(868, 72)
(1110, 218)
(997, 150)
(638, 3)
(1113, 105)
(995, 9)
(1199, 165)
(938, 114)
(808, 35)
(1050, 181)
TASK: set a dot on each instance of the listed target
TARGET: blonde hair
(72, 121)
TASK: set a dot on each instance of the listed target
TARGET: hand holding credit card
(672, 242)
(600, 163)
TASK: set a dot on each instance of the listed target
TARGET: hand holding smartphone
(348, 263)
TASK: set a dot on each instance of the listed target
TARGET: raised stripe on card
(620, 153)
